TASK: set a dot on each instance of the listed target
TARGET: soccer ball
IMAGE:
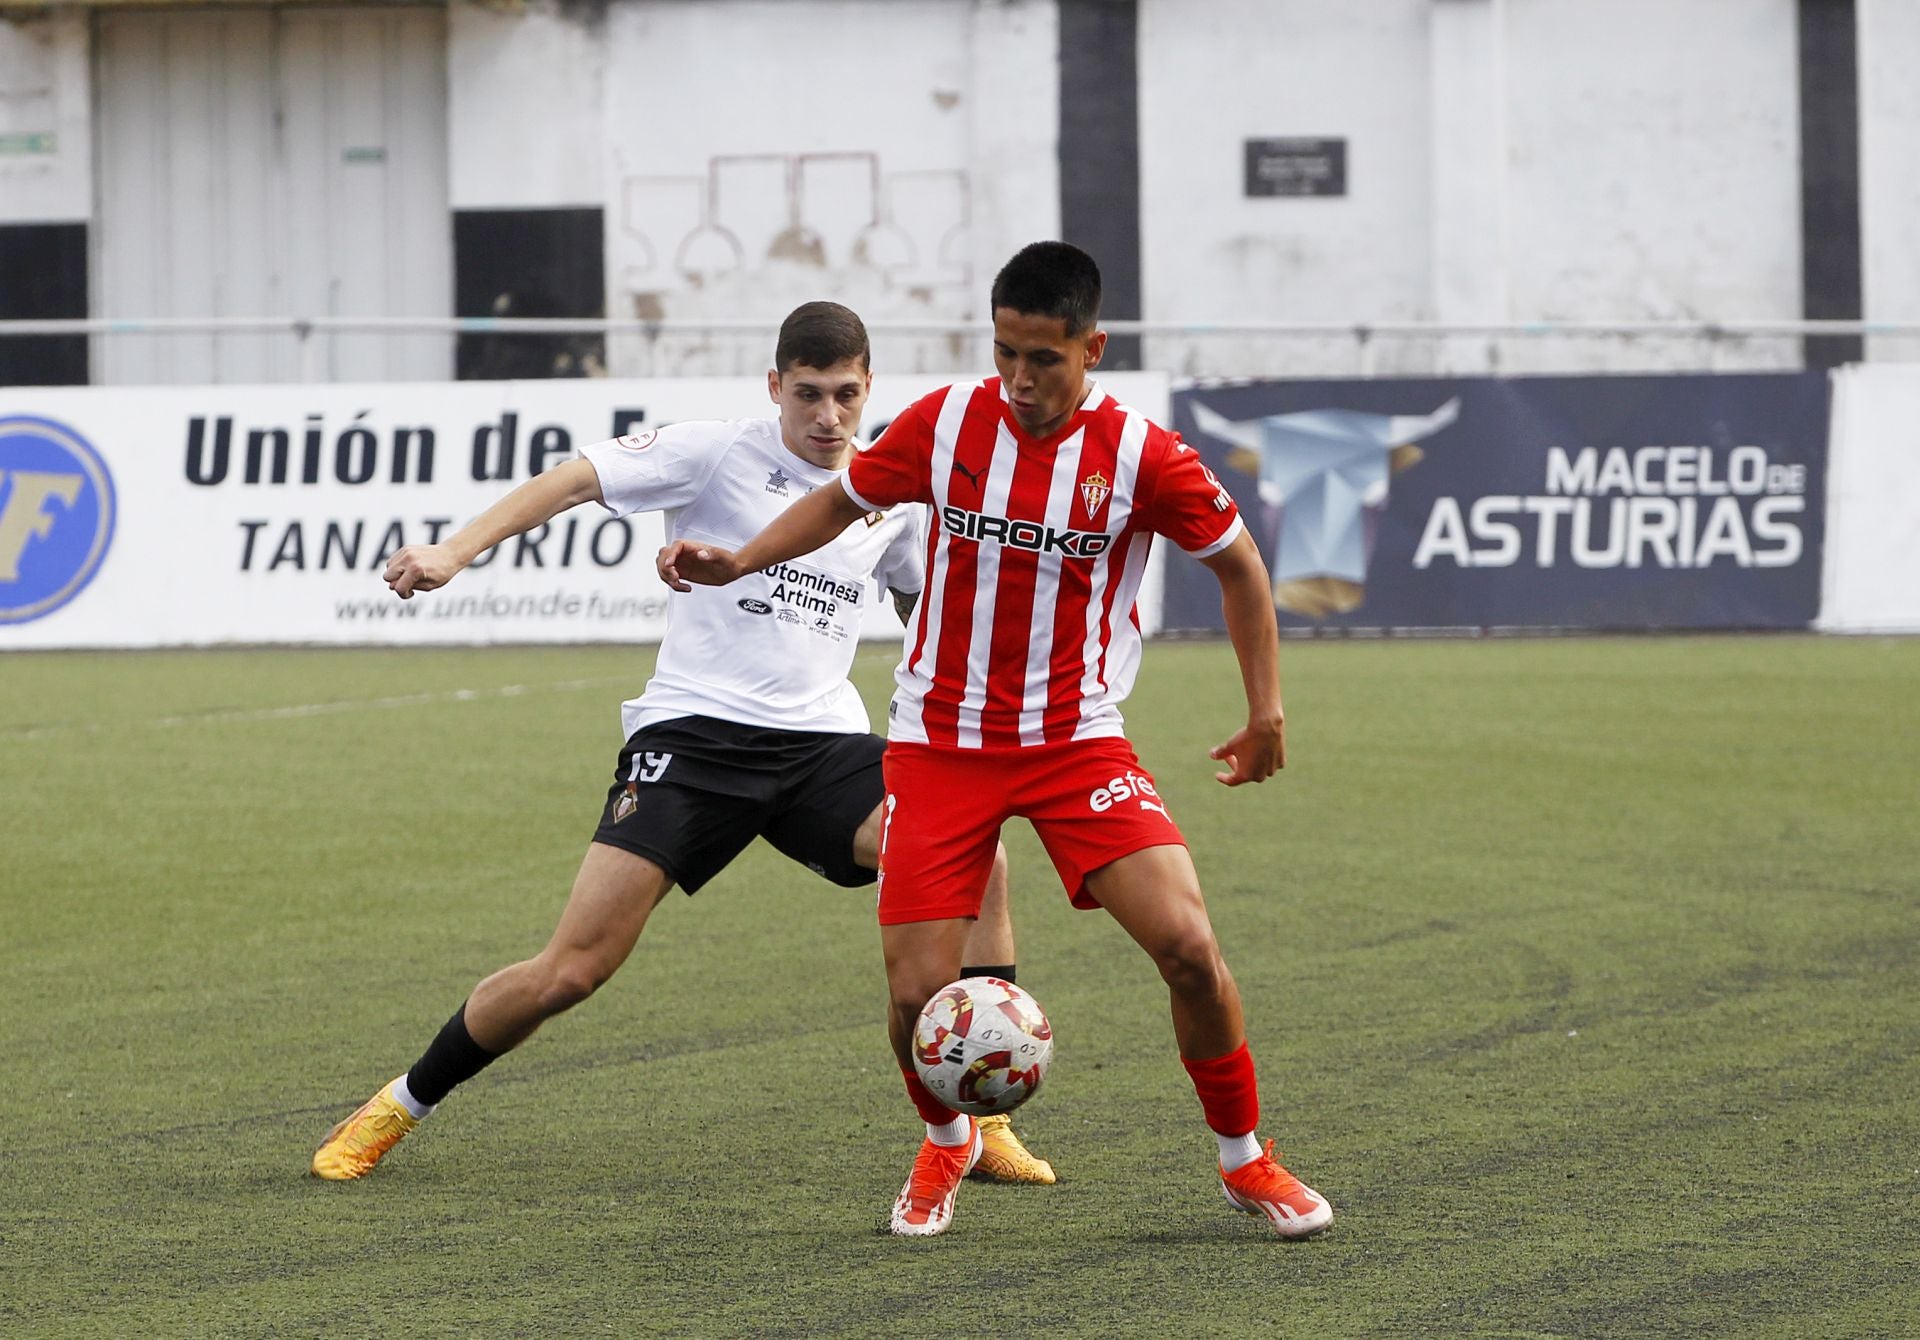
(982, 1045)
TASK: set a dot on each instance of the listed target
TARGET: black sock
(1004, 971)
(452, 1058)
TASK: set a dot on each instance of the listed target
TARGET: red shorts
(1089, 800)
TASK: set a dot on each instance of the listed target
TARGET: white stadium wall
(1654, 175)
(763, 153)
(1293, 69)
(1872, 562)
(46, 189)
(1507, 160)
(525, 86)
(46, 119)
(1890, 171)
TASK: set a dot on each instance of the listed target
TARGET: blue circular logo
(56, 516)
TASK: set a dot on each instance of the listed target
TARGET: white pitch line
(312, 709)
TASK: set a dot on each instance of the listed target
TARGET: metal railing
(1365, 337)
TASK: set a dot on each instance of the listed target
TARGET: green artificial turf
(1581, 975)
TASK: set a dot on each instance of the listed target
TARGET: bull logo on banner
(1324, 476)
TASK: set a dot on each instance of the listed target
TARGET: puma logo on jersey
(1151, 805)
(973, 476)
(1029, 535)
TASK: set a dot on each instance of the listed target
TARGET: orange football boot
(1294, 1209)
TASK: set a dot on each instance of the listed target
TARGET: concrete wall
(1653, 169)
(46, 125)
(46, 193)
(525, 91)
(1507, 160)
(1291, 68)
(1890, 170)
(762, 153)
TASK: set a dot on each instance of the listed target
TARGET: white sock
(956, 1132)
(404, 1096)
(1237, 1151)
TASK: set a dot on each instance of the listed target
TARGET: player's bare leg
(1155, 896)
(613, 894)
(921, 957)
(989, 952)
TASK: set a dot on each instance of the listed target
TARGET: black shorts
(689, 795)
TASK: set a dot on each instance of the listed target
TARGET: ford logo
(752, 606)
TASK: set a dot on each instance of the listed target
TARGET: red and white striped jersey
(1026, 632)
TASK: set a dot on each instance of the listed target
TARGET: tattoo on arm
(903, 604)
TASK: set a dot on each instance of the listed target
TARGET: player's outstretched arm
(423, 567)
(1259, 750)
(801, 529)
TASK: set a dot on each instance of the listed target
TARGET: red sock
(1229, 1093)
(932, 1110)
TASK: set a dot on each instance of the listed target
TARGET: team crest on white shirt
(1093, 491)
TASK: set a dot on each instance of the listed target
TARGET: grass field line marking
(298, 710)
(536, 1072)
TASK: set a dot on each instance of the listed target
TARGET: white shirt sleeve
(662, 468)
(903, 564)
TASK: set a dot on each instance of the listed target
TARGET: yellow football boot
(356, 1144)
(1004, 1159)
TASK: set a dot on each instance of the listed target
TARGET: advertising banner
(1645, 502)
(1873, 502)
(185, 516)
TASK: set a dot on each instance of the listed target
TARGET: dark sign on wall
(1656, 502)
(1297, 167)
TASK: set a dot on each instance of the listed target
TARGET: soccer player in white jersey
(748, 728)
(1046, 494)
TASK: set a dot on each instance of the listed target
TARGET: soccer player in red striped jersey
(1046, 493)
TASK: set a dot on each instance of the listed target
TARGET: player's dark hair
(820, 334)
(1051, 279)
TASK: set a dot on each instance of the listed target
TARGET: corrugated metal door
(273, 163)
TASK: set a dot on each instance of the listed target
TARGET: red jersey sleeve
(899, 467)
(1184, 500)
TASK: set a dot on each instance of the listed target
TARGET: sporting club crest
(1093, 491)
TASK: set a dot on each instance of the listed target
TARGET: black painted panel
(43, 274)
(529, 262)
(1100, 154)
(1830, 176)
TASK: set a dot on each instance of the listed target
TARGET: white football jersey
(773, 649)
